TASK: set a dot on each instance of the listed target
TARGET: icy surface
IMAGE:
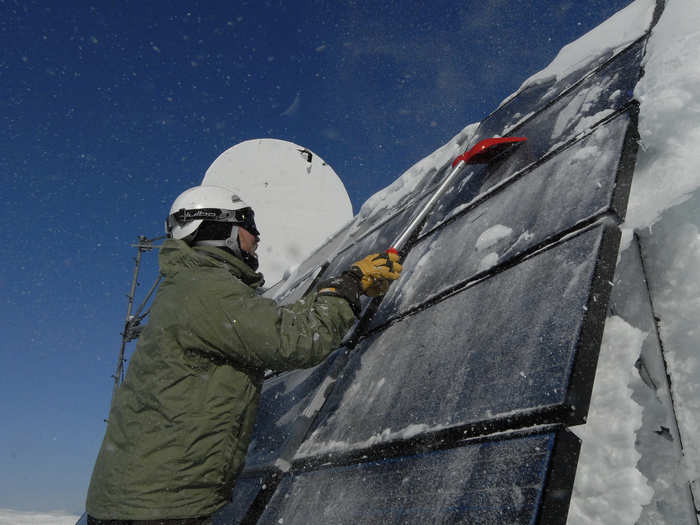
(608, 486)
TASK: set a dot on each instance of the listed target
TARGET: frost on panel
(575, 185)
(505, 345)
(574, 62)
(488, 482)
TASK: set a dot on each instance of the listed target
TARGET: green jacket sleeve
(228, 318)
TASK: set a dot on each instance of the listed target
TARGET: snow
(491, 236)
(608, 486)
(313, 447)
(15, 517)
(667, 165)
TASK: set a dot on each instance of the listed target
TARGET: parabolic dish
(299, 201)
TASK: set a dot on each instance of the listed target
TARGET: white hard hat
(211, 203)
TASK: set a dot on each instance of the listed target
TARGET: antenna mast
(132, 325)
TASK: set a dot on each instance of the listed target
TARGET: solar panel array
(450, 401)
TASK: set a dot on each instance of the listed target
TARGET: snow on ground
(15, 517)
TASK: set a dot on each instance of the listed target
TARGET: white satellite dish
(298, 199)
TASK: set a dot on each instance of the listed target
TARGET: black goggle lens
(245, 217)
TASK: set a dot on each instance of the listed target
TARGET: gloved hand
(378, 270)
(371, 276)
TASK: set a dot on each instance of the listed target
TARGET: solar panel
(599, 94)
(499, 353)
(501, 481)
(582, 183)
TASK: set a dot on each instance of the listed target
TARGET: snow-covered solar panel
(598, 95)
(495, 326)
(512, 347)
(489, 481)
(580, 184)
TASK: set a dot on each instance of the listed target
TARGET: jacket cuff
(348, 286)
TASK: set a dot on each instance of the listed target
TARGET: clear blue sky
(107, 113)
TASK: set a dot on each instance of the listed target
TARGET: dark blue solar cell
(501, 481)
(581, 182)
(516, 344)
(284, 415)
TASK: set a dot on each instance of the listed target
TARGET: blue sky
(108, 113)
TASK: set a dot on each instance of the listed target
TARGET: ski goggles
(244, 217)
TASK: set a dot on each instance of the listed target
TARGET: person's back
(181, 422)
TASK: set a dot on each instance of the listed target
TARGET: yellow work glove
(378, 270)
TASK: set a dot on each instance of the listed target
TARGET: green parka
(181, 421)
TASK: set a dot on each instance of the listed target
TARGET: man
(181, 421)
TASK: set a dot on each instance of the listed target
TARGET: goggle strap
(243, 216)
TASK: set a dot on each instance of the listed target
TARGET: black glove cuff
(347, 285)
